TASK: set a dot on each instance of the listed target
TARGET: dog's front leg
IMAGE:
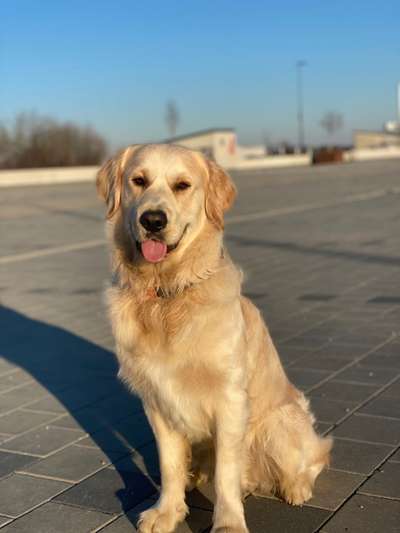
(173, 451)
(231, 418)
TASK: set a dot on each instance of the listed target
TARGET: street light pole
(300, 105)
(398, 103)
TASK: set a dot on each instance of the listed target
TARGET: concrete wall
(250, 152)
(364, 154)
(41, 176)
(272, 161)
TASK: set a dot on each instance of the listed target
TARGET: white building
(216, 143)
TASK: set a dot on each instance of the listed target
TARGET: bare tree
(36, 141)
(172, 117)
(331, 122)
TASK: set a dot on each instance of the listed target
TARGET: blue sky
(114, 64)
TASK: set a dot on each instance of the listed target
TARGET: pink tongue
(154, 251)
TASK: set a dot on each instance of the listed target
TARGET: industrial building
(219, 144)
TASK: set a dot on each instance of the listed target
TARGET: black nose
(153, 220)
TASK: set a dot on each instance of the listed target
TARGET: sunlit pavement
(320, 248)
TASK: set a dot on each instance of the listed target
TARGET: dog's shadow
(82, 377)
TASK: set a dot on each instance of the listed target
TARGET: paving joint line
(355, 491)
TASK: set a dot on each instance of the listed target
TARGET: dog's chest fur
(175, 359)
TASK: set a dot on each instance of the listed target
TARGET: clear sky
(114, 64)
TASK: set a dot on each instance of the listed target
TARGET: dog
(195, 350)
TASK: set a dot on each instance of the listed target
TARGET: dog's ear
(220, 194)
(109, 181)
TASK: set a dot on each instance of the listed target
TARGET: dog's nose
(153, 220)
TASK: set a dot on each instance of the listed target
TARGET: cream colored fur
(200, 356)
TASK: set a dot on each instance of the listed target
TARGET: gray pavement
(320, 248)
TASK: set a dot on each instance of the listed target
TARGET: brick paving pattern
(320, 248)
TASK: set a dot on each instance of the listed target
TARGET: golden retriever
(193, 348)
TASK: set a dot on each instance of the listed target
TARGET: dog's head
(165, 195)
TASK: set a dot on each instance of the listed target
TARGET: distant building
(219, 144)
(375, 139)
(215, 143)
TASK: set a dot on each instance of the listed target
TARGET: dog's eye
(139, 181)
(181, 185)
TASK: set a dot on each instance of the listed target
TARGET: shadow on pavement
(81, 376)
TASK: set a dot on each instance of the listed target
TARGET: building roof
(199, 133)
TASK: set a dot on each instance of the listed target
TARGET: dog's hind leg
(289, 452)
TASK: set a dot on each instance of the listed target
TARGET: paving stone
(72, 463)
(145, 458)
(305, 378)
(123, 436)
(14, 398)
(70, 400)
(306, 344)
(344, 350)
(391, 300)
(42, 441)
(14, 379)
(395, 457)
(319, 361)
(109, 491)
(4, 520)
(202, 497)
(345, 391)
(358, 457)
(392, 348)
(315, 297)
(54, 517)
(365, 374)
(21, 493)
(267, 515)
(328, 410)
(4, 437)
(361, 512)
(370, 428)
(333, 487)
(385, 481)
(48, 404)
(382, 406)
(100, 414)
(21, 421)
(6, 366)
(383, 361)
(88, 421)
(27, 393)
(393, 391)
(9, 462)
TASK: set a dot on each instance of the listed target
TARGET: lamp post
(300, 104)
(398, 103)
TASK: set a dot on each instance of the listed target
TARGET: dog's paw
(227, 522)
(298, 493)
(161, 520)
